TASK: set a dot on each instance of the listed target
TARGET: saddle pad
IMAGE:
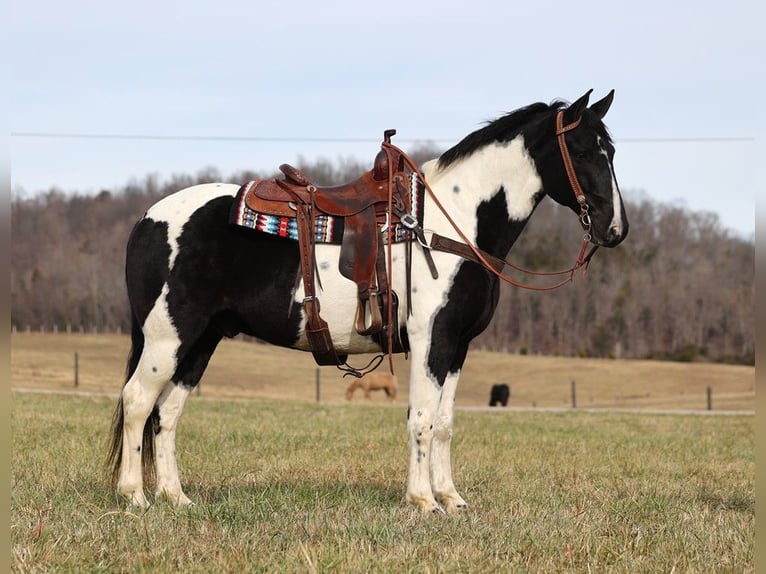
(327, 228)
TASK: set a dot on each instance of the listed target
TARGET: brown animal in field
(374, 382)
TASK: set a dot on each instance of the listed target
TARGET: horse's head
(579, 172)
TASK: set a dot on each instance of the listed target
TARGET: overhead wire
(315, 139)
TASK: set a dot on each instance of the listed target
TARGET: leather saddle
(369, 206)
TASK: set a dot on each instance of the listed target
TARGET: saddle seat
(371, 189)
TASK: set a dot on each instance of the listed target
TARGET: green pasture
(294, 486)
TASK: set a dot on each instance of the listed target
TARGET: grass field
(292, 486)
(283, 484)
(252, 370)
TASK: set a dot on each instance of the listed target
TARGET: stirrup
(376, 319)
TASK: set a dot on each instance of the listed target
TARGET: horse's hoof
(456, 508)
(453, 504)
(427, 505)
(432, 507)
(135, 498)
(178, 499)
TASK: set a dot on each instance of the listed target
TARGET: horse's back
(184, 217)
(179, 206)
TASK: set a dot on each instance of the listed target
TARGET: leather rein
(495, 265)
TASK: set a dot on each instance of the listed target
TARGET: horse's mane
(504, 128)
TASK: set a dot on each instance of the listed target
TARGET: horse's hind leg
(139, 396)
(170, 407)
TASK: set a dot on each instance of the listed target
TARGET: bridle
(469, 251)
(574, 183)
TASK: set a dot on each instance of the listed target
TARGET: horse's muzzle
(614, 235)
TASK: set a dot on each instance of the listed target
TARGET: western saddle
(369, 207)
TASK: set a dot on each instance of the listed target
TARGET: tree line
(680, 287)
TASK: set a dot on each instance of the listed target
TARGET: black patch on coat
(473, 297)
(146, 265)
(226, 280)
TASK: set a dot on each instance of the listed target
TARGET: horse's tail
(114, 458)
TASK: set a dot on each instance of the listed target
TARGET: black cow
(499, 395)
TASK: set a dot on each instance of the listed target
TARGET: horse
(192, 279)
(373, 382)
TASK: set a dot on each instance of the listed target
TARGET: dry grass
(247, 370)
(292, 486)
(283, 484)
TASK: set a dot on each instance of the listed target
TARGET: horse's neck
(490, 194)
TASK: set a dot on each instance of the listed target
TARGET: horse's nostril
(615, 234)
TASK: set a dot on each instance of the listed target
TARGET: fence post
(710, 398)
(574, 394)
(76, 369)
(317, 384)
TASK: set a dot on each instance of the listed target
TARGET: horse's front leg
(421, 415)
(441, 465)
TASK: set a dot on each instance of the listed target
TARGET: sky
(182, 86)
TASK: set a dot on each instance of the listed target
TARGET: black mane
(504, 128)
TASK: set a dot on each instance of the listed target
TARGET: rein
(471, 252)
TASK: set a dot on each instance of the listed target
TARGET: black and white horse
(193, 279)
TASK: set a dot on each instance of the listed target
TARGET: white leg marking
(441, 465)
(139, 395)
(171, 403)
(423, 402)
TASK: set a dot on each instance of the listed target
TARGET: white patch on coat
(338, 300)
(477, 179)
(158, 325)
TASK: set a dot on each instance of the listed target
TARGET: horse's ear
(574, 111)
(602, 106)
